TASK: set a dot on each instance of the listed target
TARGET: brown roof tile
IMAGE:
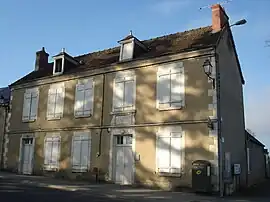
(168, 44)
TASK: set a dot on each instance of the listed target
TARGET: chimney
(41, 59)
(219, 17)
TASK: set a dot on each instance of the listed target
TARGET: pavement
(43, 189)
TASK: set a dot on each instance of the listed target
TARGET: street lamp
(240, 22)
(208, 68)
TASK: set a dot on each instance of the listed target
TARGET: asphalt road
(12, 190)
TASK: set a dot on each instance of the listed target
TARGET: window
(170, 150)
(58, 67)
(81, 151)
(124, 92)
(84, 98)
(55, 105)
(52, 151)
(170, 86)
(30, 104)
(127, 51)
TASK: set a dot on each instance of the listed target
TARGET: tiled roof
(169, 44)
(253, 139)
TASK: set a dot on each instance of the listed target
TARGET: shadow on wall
(197, 140)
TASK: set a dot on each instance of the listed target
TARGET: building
(139, 113)
(258, 167)
(4, 116)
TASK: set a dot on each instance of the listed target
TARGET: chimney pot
(41, 59)
(219, 17)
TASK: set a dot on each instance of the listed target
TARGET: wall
(231, 105)
(2, 125)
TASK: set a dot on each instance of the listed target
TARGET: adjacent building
(139, 113)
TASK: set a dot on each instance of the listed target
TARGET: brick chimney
(219, 17)
(41, 59)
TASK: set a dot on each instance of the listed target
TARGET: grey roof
(5, 93)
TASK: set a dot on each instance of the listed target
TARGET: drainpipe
(220, 151)
(101, 117)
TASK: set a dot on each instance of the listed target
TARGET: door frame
(31, 135)
(121, 131)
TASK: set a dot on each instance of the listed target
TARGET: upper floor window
(124, 92)
(171, 86)
(55, 105)
(58, 66)
(170, 149)
(30, 104)
(84, 98)
(81, 151)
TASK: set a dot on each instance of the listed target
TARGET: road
(15, 188)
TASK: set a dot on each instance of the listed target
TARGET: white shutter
(88, 98)
(129, 93)
(176, 146)
(51, 103)
(79, 100)
(59, 106)
(84, 153)
(163, 90)
(118, 95)
(76, 155)
(48, 151)
(55, 152)
(163, 154)
(34, 105)
(26, 106)
(127, 51)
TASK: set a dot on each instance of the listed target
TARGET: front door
(27, 155)
(124, 160)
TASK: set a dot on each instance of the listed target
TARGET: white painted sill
(54, 118)
(74, 170)
(123, 112)
(82, 116)
(29, 121)
(170, 108)
(47, 168)
(169, 174)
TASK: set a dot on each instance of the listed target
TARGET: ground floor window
(51, 151)
(169, 150)
(81, 151)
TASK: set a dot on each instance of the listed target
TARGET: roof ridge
(146, 40)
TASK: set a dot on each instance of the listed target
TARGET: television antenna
(220, 3)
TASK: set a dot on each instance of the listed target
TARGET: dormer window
(58, 66)
(130, 48)
(63, 62)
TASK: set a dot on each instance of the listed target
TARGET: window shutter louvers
(118, 95)
(51, 103)
(176, 153)
(34, 106)
(59, 105)
(26, 106)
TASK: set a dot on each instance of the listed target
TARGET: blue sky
(87, 26)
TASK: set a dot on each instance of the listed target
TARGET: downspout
(220, 152)
(101, 117)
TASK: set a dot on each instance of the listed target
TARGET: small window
(127, 51)
(58, 66)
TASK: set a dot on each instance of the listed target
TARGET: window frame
(161, 133)
(56, 87)
(50, 167)
(121, 77)
(83, 82)
(166, 69)
(80, 168)
(31, 91)
(61, 57)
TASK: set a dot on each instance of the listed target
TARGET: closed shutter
(127, 51)
(177, 87)
(51, 103)
(176, 146)
(129, 94)
(26, 106)
(55, 152)
(163, 90)
(85, 152)
(79, 100)
(76, 155)
(163, 154)
(88, 98)
(59, 106)
(118, 95)
(34, 106)
(48, 151)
